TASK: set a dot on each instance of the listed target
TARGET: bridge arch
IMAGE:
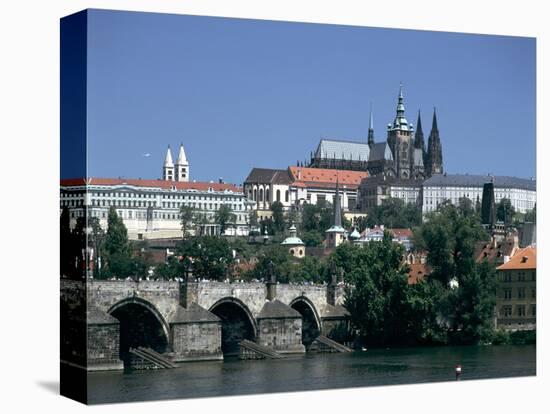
(238, 323)
(311, 322)
(141, 324)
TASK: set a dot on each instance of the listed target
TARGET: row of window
(521, 276)
(259, 195)
(508, 311)
(507, 293)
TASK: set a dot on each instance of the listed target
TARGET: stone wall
(251, 294)
(163, 295)
(284, 335)
(103, 347)
(196, 341)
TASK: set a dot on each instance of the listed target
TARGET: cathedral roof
(380, 151)
(268, 175)
(348, 150)
(468, 180)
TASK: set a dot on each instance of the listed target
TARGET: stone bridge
(195, 320)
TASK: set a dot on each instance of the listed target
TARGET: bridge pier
(103, 342)
(280, 328)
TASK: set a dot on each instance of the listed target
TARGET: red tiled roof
(325, 177)
(525, 258)
(163, 184)
(402, 232)
(417, 272)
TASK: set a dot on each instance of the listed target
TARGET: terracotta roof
(417, 272)
(163, 184)
(525, 258)
(400, 233)
(488, 250)
(326, 177)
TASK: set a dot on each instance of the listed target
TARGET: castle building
(521, 192)
(301, 185)
(403, 154)
(150, 209)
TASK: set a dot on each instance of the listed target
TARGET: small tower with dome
(295, 245)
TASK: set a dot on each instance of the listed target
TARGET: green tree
(531, 215)
(187, 217)
(276, 256)
(200, 220)
(312, 238)
(170, 269)
(211, 256)
(505, 211)
(450, 235)
(394, 213)
(67, 246)
(278, 216)
(224, 217)
(377, 296)
(116, 240)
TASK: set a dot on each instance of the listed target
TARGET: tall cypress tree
(116, 240)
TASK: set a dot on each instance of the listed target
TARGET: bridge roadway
(190, 321)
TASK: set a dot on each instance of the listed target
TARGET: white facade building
(150, 208)
(521, 192)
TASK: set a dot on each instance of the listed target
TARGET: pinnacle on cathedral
(434, 155)
(419, 135)
(370, 139)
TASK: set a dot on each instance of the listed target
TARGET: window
(278, 195)
(508, 294)
(507, 277)
(521, 310)
(521, 293)
(534, 310)
(507, 311)
(286, 196)
(521, 276)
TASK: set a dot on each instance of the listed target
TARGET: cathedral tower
(434, 157)
(168, 168)
(182, 166)
(400, 140)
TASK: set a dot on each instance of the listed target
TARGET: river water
(313, 372)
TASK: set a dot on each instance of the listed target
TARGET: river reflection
(313, 372)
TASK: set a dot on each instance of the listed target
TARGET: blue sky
(250, 93)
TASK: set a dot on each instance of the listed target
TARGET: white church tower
(182, 166)
(168, 168)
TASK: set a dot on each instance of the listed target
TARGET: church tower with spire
(182, 166)
(434, 158)
(400, 140)
(336, 235)
(168, 168)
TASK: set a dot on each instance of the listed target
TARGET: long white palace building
(150, 209)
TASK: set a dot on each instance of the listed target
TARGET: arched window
(267, 195)
(286, 196)
(261, 194)
(255, 195)
(278, 196)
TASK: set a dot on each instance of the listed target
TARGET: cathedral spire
(434, 156)
(434, 122)
(370, 139)
(419, 134)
